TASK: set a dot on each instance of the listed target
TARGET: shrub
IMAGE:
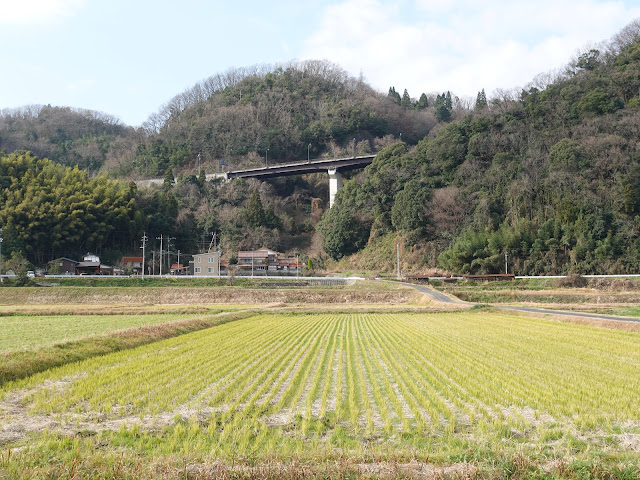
(572, 281)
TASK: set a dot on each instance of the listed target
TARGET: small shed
(133, 264)
(62, 266)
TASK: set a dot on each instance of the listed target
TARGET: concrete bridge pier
(335, 184)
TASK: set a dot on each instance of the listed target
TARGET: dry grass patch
(202, 296)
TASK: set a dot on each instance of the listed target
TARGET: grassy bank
(168, 281)
(185, 295)
(21, 364)
(575, 296)
(78, 463)
(32, 332)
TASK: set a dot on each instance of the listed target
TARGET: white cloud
(461, 45)
(37, 11)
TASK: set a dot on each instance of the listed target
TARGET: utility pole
(160, 238)
(506, 264)
(0, 251)
(178, 258)
(144, 244)
(398, 258)
(153, 263)
(169, 252)
(214, 238)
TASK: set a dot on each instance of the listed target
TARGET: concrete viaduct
(333, 167)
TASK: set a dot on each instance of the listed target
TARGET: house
(267, 261)
(62, 266)
(133, 264)
(290, 264)
(91, 265)
(206, 264)
(179, 269)
(258, 261)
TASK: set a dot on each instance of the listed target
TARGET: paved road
(569, 313)
(441, 297)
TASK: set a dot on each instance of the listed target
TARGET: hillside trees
(549, 176)
(283, 109)
(343, 232)
(410, 211)
(48, 210)
(64, 135)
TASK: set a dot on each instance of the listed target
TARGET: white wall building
(206, 264)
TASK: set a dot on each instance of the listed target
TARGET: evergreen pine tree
(443, 110)
(394, 96)
(255, 210)
(423, 102)
(447, 101)
(481, 100)
(406, 100)
(169, 179)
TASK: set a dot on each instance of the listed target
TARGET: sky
(127, 58)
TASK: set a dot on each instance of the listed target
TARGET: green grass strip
(22, 364)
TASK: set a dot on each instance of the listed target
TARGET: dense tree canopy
(48, 210)
(549, 175)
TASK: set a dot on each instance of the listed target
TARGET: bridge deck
(299, 168)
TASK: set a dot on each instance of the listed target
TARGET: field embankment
(17, 364)
(348, 295)
(586, 297)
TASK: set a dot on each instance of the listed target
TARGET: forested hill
(68, 136)
(550, 174)
(304, 108)
(298, 109)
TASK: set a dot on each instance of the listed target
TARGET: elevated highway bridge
(333, 166)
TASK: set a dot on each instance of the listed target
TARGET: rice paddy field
(461, 394)
(27, 332)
